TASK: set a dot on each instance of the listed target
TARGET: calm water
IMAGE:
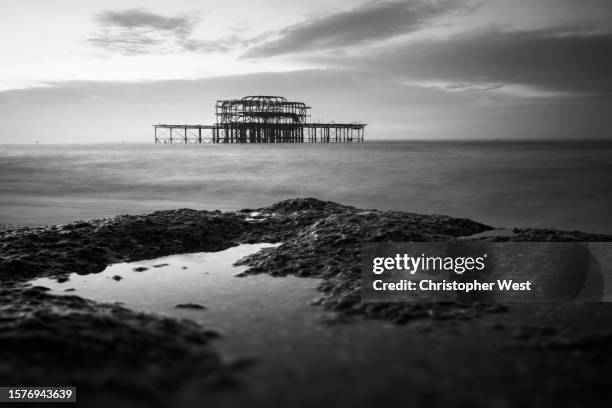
(270, 320)
(564, 185)
(250, 311)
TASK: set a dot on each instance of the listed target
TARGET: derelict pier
(261, 119)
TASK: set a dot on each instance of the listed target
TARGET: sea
(544, 184)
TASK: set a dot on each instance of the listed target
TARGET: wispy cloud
(141, 18)
(139, 31)
(371, 22)
(501, 89)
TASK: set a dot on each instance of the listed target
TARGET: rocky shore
(69, 340)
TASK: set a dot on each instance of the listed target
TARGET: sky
(104, 71)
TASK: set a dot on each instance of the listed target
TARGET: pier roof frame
(261, 109)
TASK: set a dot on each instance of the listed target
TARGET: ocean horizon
(561, 184)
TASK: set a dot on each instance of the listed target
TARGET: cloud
(551, 62)
(139, 31)
(370, 22)
(135, 18)
(560, 59)
(499, 89)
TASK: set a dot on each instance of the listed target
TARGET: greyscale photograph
(281, 203)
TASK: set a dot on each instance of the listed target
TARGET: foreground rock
(98, 346)
(319, 239)
(109, 353)
(323, 240)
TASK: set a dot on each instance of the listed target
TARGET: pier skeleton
(261, 119)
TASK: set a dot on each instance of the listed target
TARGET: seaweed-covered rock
(88, 247)
(319, 239)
